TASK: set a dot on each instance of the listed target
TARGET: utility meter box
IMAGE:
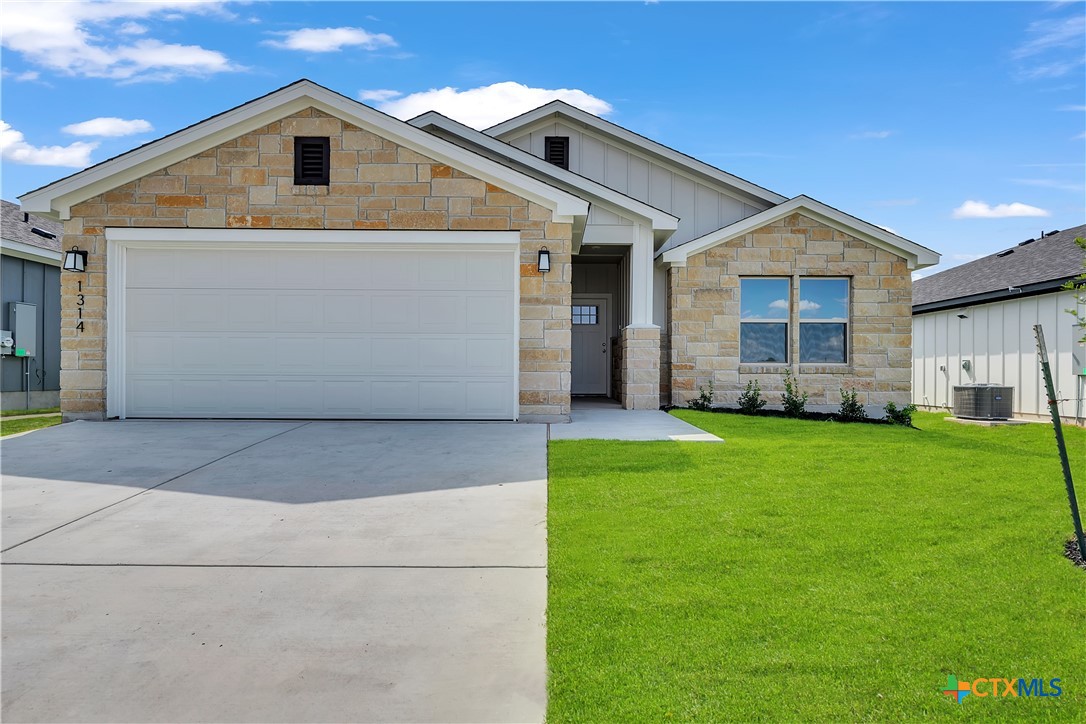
(7, 344)
(24, 327)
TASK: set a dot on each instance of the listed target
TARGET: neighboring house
(304, 255)
(30, 273)
(974, 324)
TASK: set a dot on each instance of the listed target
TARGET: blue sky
(957, 125)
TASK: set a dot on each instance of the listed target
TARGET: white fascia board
(556, 109)
(59, 197)
(917, 256)
(272, 237)
(604, 195)
(29, 252)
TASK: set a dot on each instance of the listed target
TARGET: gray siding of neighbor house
(700, 207)
(22, 280)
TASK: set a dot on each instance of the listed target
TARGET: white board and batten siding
(329, 333)
(998, 342)
(700, 207)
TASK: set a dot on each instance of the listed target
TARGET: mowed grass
(812, 571)
(11, 427)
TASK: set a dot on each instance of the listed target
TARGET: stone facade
(375, 184)
(640, 373)
(704, 316)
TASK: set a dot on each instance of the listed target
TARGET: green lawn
(10, 427)
(15, 413)
(812, 571)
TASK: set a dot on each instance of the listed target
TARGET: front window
(763, 329)
(823, 320)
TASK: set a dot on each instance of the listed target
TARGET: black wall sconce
(75, 259)
(544, 263)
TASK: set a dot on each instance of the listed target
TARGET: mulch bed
(816, 416)
(1070, 549)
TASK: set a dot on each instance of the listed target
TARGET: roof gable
(727, 182)
(59, 196)
(660, 220)
(916, 256)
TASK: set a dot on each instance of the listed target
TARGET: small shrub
(851, 410)
(750, 401)
(794, 401)
(704, 400)
(900, 415)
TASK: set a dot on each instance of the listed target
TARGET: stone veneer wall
(704, 316)
(375, 184)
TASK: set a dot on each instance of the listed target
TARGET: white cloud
(806, 305)
(981, 210)
(132, 29)
(967, 257)
(74, 38)
(110, 127)
(14, 148)
(1048, 183)
(487, 105)
(378, 95)
(872, 135)
(1073, 109)
(330, 40)
(779, 304)
(1052, 49)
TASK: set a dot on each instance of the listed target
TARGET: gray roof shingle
(13, 228)
(1050, 259)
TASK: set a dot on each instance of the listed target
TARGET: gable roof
(1033, 266)
(661, 221)
(59, 196)
(560, 109)
(916, 255)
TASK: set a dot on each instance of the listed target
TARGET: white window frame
(786, 320)
(846, 321)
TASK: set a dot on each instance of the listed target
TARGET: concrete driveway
(274, 571)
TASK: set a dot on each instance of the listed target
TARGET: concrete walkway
(195, 571)
(603, 419)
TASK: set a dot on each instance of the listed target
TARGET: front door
(591, 345)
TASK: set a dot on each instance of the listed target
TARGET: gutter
(1026, 290)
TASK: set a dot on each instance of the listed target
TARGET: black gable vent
(311, 161)
(557, 150)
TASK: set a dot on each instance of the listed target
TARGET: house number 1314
(80, 301)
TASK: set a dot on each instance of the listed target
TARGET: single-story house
(304, 255)
(973, 324)
(29, 302)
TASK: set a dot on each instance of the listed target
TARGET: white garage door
(426, 333)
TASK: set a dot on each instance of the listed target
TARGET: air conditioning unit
(983, 402)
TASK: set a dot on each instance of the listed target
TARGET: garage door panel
(394, 312)
(151, 310)
(349, 333)
(489, 271)
(486, 398)
(346, 398)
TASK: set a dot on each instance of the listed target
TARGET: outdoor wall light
(544, 264)
(75, 259)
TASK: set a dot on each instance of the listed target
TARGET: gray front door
(591, 345)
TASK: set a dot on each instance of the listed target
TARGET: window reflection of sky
(823, 299)
(763, 343)
(764, 298)
(823, 343)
